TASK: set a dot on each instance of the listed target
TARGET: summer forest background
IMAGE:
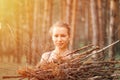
(24, 26)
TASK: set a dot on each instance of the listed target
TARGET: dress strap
(49, 55)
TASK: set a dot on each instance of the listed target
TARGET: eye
(63, 35)
(55, 35)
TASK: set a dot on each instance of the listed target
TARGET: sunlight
(7, 18)
(25, 37)
(0, 26)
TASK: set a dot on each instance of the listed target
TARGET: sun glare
(0, 26)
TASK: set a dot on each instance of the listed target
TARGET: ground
(10, 69)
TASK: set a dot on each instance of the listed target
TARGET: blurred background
(24, 27)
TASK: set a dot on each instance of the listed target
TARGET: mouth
(59, 44)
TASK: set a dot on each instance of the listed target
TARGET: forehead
(60, 30)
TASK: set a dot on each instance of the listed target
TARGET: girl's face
(60, 37)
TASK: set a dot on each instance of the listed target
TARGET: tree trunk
(29, 21)
(63, 9)
(28, 56)
(112, 25)
(101, 28)
(68, 10)
(47, 22)
(34, 37)
(17, 51)
(73, 22)
(86, 24)
(94, 25)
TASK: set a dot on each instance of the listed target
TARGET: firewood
(77, 68)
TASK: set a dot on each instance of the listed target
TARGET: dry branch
(6, 77)
(76, 68)
(102, 49)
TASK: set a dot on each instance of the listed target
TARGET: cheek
(53, 39)
(67, 40)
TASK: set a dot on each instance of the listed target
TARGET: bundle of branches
(100, 70)
(77, 68)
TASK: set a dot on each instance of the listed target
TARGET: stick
(101, 49)
(5, 77)
(82, 55)
(84, 47)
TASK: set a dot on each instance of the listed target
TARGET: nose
(59, 38)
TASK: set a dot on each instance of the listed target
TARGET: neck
(60, 51)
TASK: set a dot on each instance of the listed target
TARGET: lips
(59, 44)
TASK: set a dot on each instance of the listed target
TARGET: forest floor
(10, 69)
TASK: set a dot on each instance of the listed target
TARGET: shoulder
(45, 57)
(46, 54)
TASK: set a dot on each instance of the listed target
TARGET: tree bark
(94, 25)
(68, 10)
(112, 25)
(63, 9)
(73, 22)
(101, 29)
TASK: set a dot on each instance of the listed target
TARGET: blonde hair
(60, 24)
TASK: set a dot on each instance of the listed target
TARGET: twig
(82, 55)
(101, 50)
(84, 47)
(5, 77)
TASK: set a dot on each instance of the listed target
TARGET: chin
(60, 47)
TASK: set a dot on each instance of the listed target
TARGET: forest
(24, 28)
